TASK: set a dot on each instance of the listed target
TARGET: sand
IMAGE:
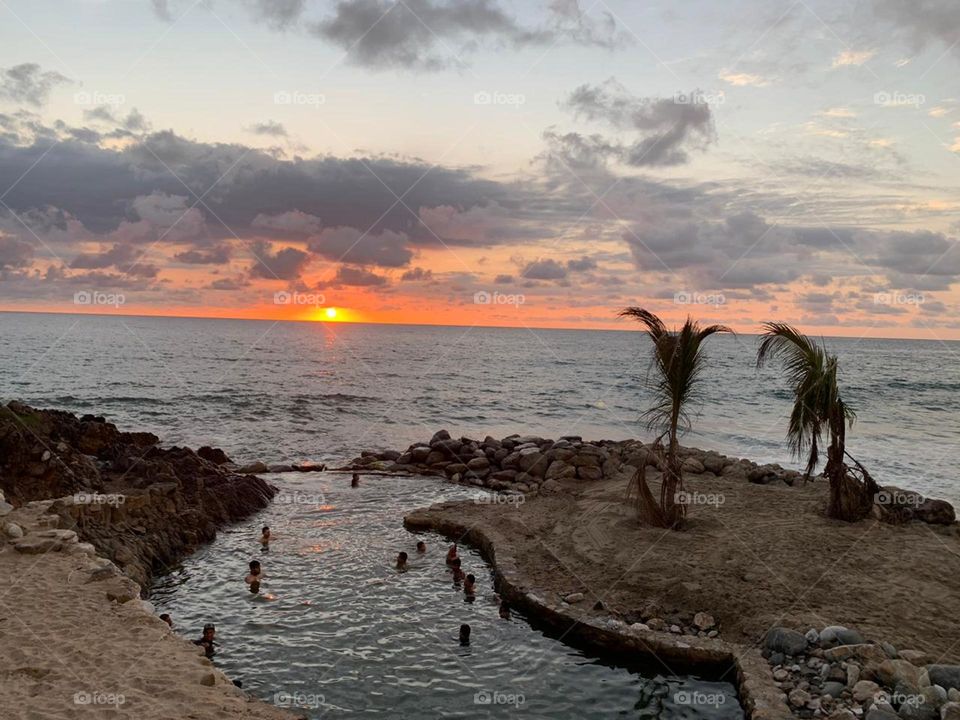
(67, 651)
(757, 557)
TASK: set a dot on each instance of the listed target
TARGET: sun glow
(330, 313)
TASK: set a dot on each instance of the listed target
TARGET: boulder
(894, 672)
(713, 462)
(946, 676)
(834, 635)
(864, 652)
(419, 453)
(833, 689)
(950, 711)
(439, 436)
(214, 455)
(692, 465)
(560, 469)
(799, 698)
(917, 657)
(764, 474)
(511, 461)
(785, 640)
(478, 463)
(864, 690)
(504, 475)
(588, 472)
(881, 712)
(253, 468)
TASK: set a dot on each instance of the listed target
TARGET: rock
(585, 459)
(894, 672)
(864, 652)
(439, 436)
(253, 468)
(853, 674)
(511, 461)
(812, 636)
(889, 649)
(587, 472)
(419, 453)
(560, 469)
(919, 707)
(950, 711)
(833, 689)
(881, 712)
(838, 635)
(214, 455)
(13, 531)
(763, 475)
(573, 598)
(478, 463)
(504, 475)
(208, 679)
(917, 657)
(532, 461)
(5, 508)
(946, 676)
(550, 486)
(781, 674)
(953, 695)
(703, 621)
(864, 690)
(693, 466)
(781, 639)
(799, 698)
(842, 714)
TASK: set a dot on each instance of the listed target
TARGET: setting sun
(331, 313)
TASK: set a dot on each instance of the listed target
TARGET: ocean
(288, 391)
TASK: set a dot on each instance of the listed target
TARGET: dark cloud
(285, 264)
(219, 255)
(504, 279)
(14, 253)
(347, 244)
(27, 83)
(127, 259)
(357, 277)
(923, 21)
(669, 127)
(582, 264)
(268, 127)
(548, 269)
(279, 14)
(416, 274)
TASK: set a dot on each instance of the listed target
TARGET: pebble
(573, 598)
(13, 531)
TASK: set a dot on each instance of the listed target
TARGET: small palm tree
(678, 362)
(818, 408)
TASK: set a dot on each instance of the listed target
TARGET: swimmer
(421, 546)
(256, 573)
(166, 618)
(402, 561)
(470, 585)
(504, 610)
(206, 640)
(457, 572)
(255, 587)
(452, 554)
(464, 634)
(265, 536)
(355, 480)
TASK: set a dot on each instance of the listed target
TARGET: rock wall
(143, 506)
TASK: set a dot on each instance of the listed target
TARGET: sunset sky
(485, 162)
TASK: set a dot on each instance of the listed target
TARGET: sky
(484, 162)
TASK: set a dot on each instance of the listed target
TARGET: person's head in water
(166, 618)
(355, 480)
(464, 634)
(255, 568)
(265, 535)
(402, 561)
(421, 546)
(206, 639)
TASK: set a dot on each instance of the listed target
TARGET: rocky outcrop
(835, 673)
(525, 464)
(143, 506)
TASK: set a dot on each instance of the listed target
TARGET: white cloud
(853, 57)
(742, 78)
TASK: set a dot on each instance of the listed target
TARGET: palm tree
(818, 408)
(678, 361)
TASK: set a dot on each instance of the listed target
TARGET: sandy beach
(78, 642)
(759, 556)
